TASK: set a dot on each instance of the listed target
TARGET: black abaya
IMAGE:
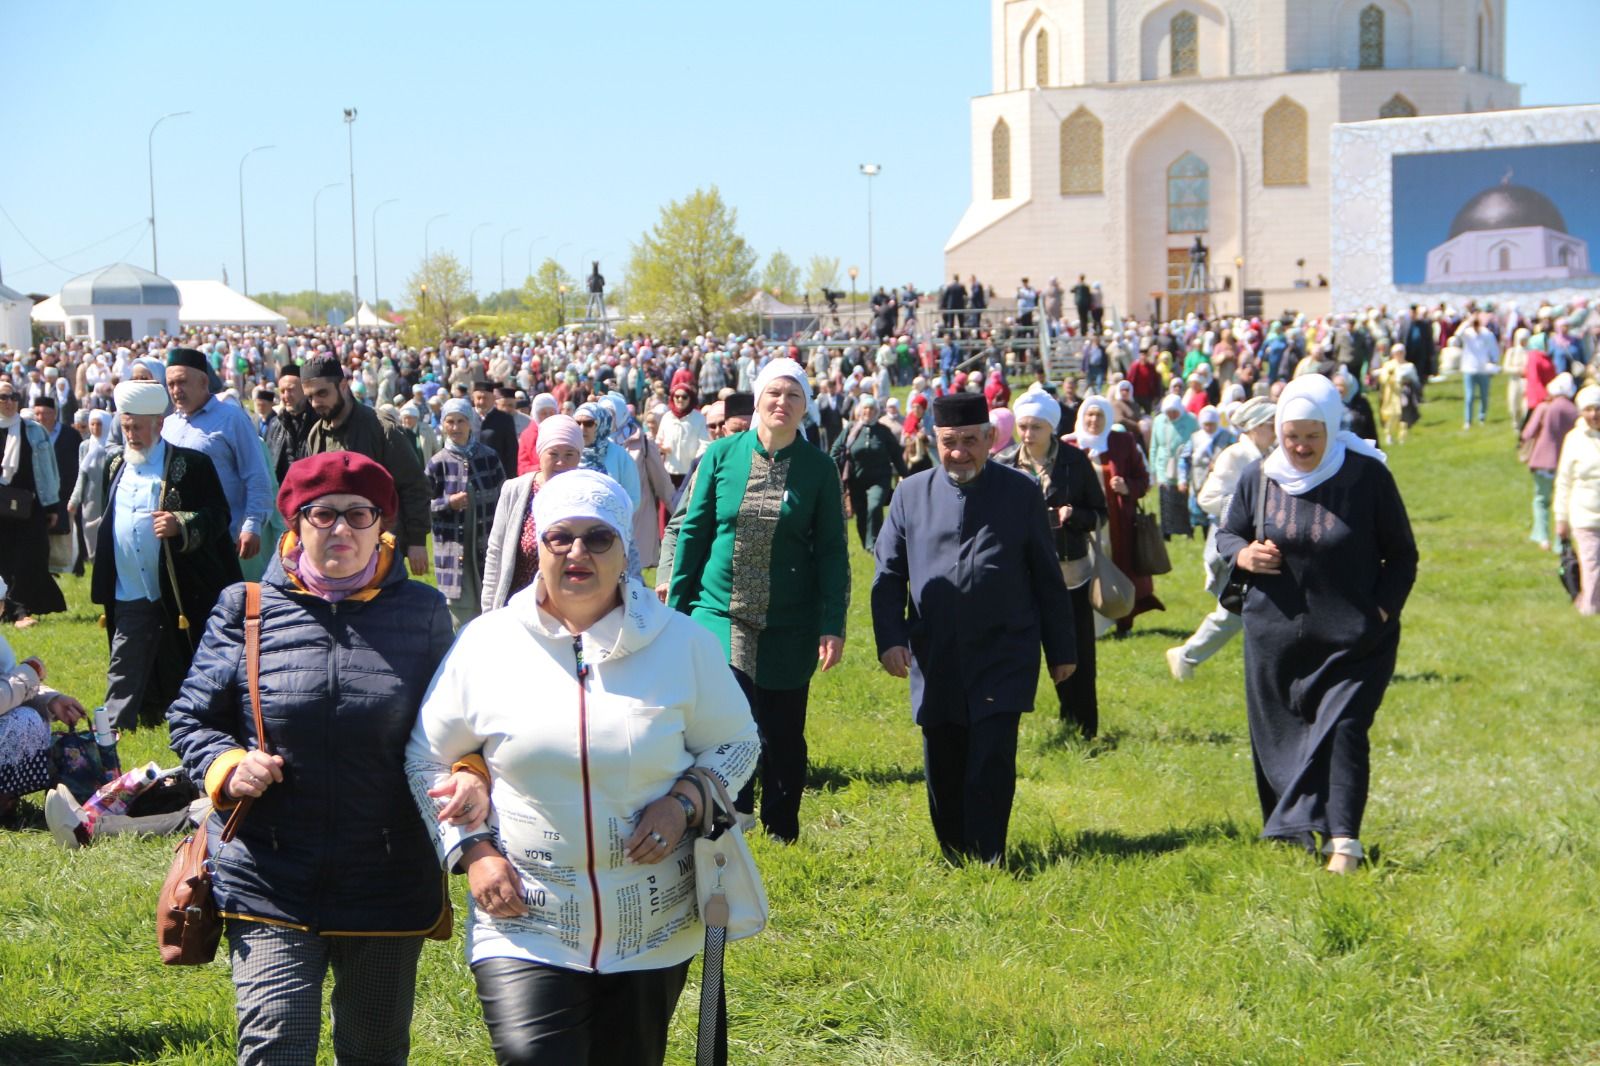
(25, 548)
(1317, 653)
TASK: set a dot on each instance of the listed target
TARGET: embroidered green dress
(761, 557)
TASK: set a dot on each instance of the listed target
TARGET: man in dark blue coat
(967, 589)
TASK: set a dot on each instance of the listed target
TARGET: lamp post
(150, 157)
(503, 236)
(531, 243)
(316, 281)
(561, 303)
(871, 170)
(854, 273)
(355, 264)
(1238, 280)
(244, 261)
(425, 252)
(471, 245)
(376, 299)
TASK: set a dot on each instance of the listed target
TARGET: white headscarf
(1314, 398)
(1095, 443)
(783, 368)
(585, 493)
(1036, 403)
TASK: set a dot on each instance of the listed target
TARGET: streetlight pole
(150, 157)
(244, 260)
(854, 272)
(426, 255)
(316, 281)
(503, 237)
(472, 239)
(355, 263)
(871, 170)
(375, 298)
(531, 243)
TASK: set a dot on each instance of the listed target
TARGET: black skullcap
(505, 393)
(190, 358)
(290, 371)
(265, 394)
(960, 409)
(45, 401)
(483, 386)
(326, 367)
(739, 405)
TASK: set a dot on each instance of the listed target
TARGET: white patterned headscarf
(1314, 398)
(585, 493)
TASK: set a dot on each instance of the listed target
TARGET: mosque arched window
(1284, 144)
(1185, 29)
(1000, 153)
(1372, 37)
(1188, 195)
(1398, 107)
(1082, 153)
(1041, 59)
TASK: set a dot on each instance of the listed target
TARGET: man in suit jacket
(163, 557)
(499, 430)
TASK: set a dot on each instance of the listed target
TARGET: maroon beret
(336, 473)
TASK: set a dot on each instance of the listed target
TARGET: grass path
(1141, 920)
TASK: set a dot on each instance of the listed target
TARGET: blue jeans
(1475, 386)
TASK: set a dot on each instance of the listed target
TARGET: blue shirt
(133, 528)
(223, 433)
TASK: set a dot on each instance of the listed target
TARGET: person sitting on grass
(27, 707)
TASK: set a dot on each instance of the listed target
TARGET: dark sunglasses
(596, 541)
(8, 397)
(361, 517)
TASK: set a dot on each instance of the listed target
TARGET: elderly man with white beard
(164, 555)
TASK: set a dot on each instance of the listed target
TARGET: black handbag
(1568, 571)
(1233, 593)
(16, 504)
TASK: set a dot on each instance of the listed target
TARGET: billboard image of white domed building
(1505, 233)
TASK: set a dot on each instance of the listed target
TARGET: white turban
(587, 494)
(783, 368)
(141, 398)
(1036, 403)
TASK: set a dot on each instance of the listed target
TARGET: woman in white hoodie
(584, 917)
(1577, 504)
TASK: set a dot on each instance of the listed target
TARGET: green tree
(822, 273)
(692, 268)
(542, 299)
(781, 277)
(437, 293)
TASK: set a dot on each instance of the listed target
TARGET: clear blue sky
(573, 122)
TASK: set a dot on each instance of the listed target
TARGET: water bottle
(106, 741)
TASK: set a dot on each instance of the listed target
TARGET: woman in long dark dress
(1328, 580)
(28, 471)
(1124, 480)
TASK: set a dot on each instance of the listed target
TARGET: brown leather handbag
(188, 926)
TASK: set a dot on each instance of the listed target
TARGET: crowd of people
(1001, 515)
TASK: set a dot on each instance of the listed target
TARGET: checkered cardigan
(448, 473)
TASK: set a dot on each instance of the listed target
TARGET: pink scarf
(332, 589)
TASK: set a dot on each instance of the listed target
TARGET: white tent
(211, 303)
(16, 322)
(204, 303)
(366, 318)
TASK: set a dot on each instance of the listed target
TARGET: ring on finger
(658, 838)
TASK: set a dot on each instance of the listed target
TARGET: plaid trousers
(277, 981)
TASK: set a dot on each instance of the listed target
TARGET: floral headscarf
(594, 456)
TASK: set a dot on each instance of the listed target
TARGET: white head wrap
(1036, 403)
(783, 368)
(1210, 416)
(1252, 413)
(141, 398)
(1095, 443)
(588, 494)
(1562, 385)
(1588, 396)
(1314, 398)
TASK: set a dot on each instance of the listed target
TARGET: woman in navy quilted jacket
(332, 865)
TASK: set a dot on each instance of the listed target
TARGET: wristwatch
(688, 807)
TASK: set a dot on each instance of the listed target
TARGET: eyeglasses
(8, 397)
(360, 517)
(596, 541)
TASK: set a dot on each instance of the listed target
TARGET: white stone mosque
(1117, 131)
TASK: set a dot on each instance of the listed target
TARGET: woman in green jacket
(868, 457)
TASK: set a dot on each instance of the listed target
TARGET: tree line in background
(692, 271)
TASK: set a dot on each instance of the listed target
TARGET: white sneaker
(62, 815)
(1182, 669)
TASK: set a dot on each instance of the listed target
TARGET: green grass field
(1140, 920)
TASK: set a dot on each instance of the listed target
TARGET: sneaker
(1182, 669)
(62, 815)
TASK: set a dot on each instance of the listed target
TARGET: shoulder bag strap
(166, 542)
(1261, 502)
(252, 666)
